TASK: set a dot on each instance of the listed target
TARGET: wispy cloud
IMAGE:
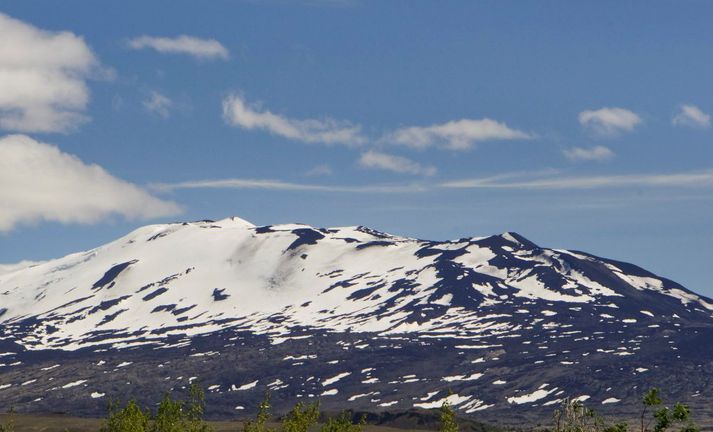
(535, 180)
(377, 160)
(609, 122)
(38, 182)
(460, 134)
(203, 49)
(319, 170)
(237, 112)
(159, 104)
(691, 116)
(686, 179)
(43, 78)
(588, 154)
(279, 185)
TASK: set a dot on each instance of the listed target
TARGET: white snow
(50, 367)
(471, 377)
(247, 386)
(453, 400)
(334, 379)
(74, 384)
(538, 394)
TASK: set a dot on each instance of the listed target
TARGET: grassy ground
(63, 423)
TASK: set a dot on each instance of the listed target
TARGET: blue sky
(579, 125)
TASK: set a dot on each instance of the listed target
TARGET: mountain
(358, 318)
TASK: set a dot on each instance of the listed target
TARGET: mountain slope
(356, 316)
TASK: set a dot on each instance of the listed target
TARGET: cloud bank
(38, 182)
(237, 112)
(202, 49)
(42, 78)
(609, 121)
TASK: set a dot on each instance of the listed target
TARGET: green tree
(665, 417)
(573, 416)
(301, 418)
(131, 418)
(263, 415)
(680, 416)
(195, 410)
(651, 399)
(169, 416)
(172, 415)
(448, 418)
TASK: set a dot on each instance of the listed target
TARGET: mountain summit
(360, 318)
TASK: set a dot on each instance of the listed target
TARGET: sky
(579, 125)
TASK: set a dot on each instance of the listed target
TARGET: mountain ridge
(360, 318)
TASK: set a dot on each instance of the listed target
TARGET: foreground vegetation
(176, 415)
(573, 416)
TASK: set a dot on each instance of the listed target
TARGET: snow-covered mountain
(361, 318)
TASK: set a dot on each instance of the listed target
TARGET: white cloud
(203, 49)
(42, 78)
(609, 121)
(237, 112)
(588, 154)
(38, 182)
(383, 161)
(158, 104)
(455, 135)
(692, 116)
